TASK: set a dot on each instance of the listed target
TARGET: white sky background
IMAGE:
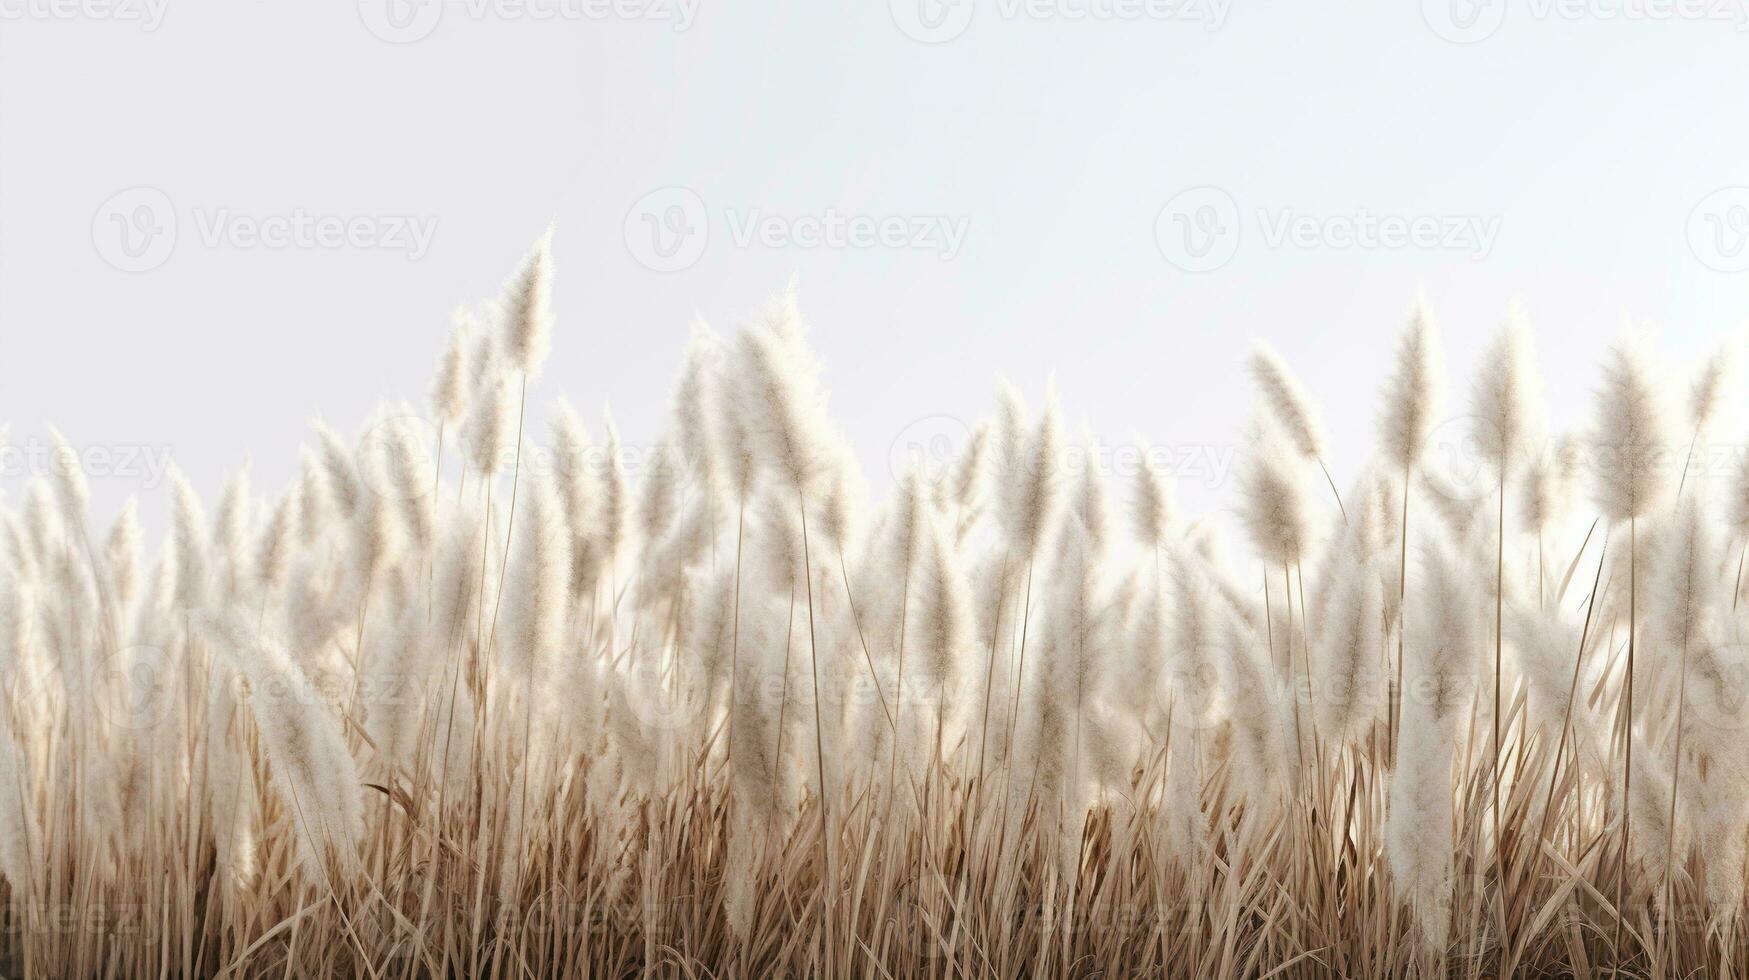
(1591, 134)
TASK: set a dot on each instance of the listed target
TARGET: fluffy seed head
(449, 387)
(121, 552)
(1630, 447)
(781, 399)
(1412, 395)
(1287, 401)
(528, 310)
(71, 490)
(1273, 504)
(1151, 507)
(1506, 419)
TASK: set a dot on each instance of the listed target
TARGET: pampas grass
(716, 707)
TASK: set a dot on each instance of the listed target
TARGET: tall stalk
(1627, 778)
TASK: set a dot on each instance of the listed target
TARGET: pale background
(1594, 137)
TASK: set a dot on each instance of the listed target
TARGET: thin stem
(510, 524)
(1395, 722)
(827, 882)
(1627, 779)
(1499, 614)
(1333, 492)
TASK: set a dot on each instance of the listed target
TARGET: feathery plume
(274, 548)
(1505, 402)
(1091, 506)
(188, 536)
(230, 526)
(1031, 486)
(121, 552)
(450, 386)
(1349, 641)
(615, 497)
(528, 310)
(490, 424)
(579, 493)
(71, 490)
(781, 399)
(311, 768)
(538, 587)
(312, 496)
(693, 401)
(1548, 492)
(409, 477)
(1151, 507)
(344, 489)
(1413, 393)
(1272, 501)
(1630, 445)
(1286, 400)
(1706, 395)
